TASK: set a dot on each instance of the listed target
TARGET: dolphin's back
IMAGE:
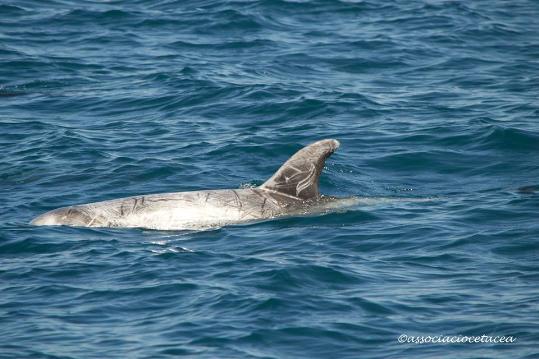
(170, 211)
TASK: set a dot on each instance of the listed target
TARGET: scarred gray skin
(292, 190)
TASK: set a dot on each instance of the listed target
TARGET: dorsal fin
(298, 177)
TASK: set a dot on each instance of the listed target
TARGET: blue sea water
(430, 99)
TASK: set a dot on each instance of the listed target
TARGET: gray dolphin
(292, 190)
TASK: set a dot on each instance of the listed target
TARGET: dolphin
(292, 190)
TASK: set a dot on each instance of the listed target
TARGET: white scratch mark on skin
(306, 183)
(295, 168)
(282, 194)
(93, 219)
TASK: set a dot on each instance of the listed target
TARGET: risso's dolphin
(292, 190)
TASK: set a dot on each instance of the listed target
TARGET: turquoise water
(430, 99)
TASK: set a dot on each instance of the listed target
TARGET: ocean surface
(430, 100)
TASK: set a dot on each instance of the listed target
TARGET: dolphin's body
(292, 190)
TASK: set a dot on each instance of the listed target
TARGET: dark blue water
(430, 99)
